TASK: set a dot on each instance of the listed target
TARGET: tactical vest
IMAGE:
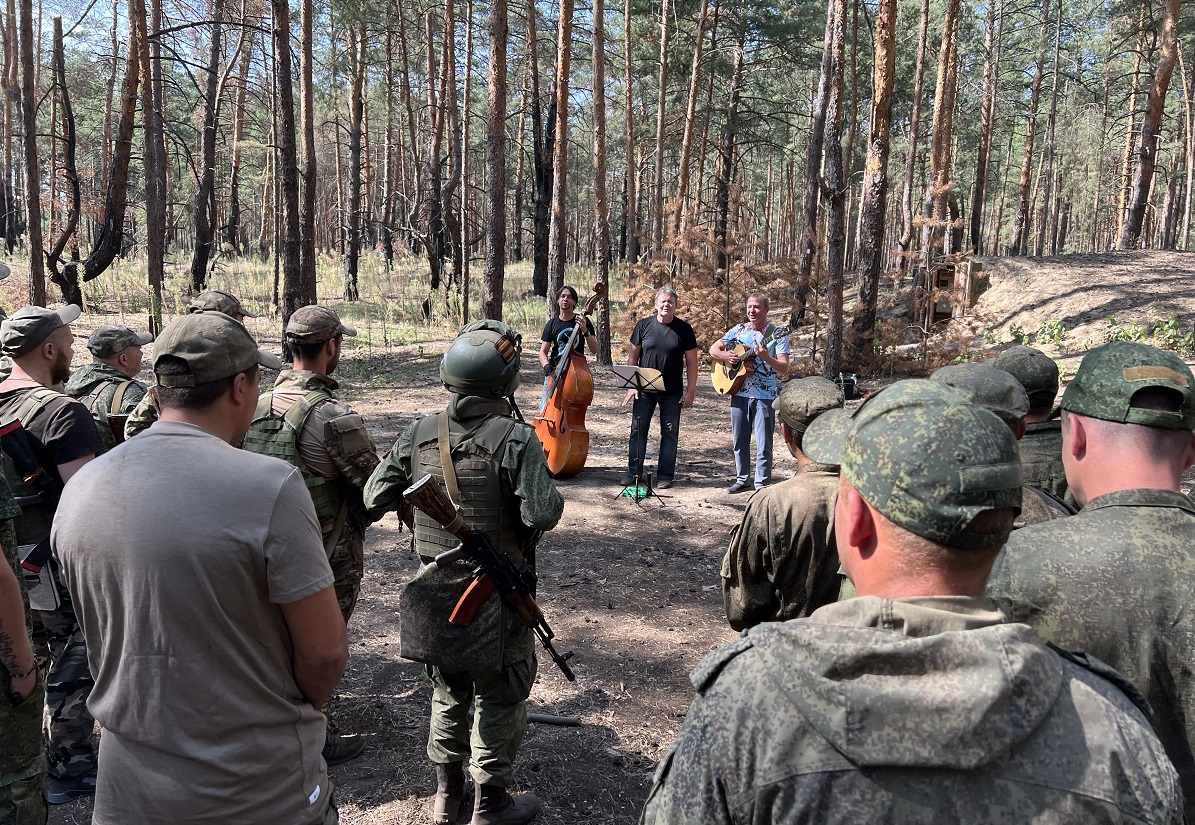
(482, 504)
(279, 437)
(36, 517)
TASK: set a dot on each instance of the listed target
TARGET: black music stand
(640, 378)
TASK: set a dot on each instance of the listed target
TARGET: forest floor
(632, 589)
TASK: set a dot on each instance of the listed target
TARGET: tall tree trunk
(308, 178)
(29, 98)
(152, 97)
(835, 186)
(906, 196)
(543, 141)
(1048, 161)
(657, 232)
(466, 108)
(232, 233)
(1020, 223)
(601, 209)
(205, 193)
(13, 225)
(726, 165)
(557, 238)
(686, 148)
(875, 178)
(1189, 152)
(1151, 125)
(67, 278)
(296, 291)
(495, 157)
(1126, 162)
(631, 252)
(807, 247)
(987, 119)
(356, 113)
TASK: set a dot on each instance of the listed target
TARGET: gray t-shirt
(177, 549)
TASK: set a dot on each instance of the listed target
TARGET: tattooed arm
(16, 654)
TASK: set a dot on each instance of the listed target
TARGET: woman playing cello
(556, 334)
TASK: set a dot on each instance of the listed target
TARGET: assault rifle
(495, 570)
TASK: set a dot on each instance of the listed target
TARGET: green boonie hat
(994, 390)
(29, 326)
(926, 458)
(214, 347)
(1109, 377)
(805, 399)
(315, 324)
(110, 340)
(1037, 372)
(220, 301)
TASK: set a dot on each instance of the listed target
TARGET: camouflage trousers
(68, 725)
(499, 704)
(24, 802)
(348, 567)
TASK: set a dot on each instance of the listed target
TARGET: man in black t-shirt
(39, 342)
(556, 334)
(666, 343)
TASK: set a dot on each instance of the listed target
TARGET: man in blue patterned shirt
(751, 407)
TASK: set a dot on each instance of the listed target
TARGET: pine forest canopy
(795, 145)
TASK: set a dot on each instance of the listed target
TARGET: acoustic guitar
(729, 378)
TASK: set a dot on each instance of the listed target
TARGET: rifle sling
(454, 490)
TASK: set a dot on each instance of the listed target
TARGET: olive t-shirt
(664, 347)
(178, 550)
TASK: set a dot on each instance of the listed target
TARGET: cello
(560, 425)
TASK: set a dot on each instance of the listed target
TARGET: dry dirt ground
(632, 590)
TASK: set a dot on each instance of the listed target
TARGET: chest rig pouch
(426, 602)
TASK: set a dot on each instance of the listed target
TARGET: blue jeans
(641, 413)
(747, 415)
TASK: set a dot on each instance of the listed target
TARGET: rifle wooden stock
(429, 496)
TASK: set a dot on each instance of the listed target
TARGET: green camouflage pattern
(95, 384)
(1036, 372)
(804, 399)
(62, 656)
(994, 390)
(1038, 506)
(926, 458)
(1041, 457)
(112, 339)
(907, 712)
(142, 417)
(1117, 581)
(1108, 376)
(24, 802)
(782, 562)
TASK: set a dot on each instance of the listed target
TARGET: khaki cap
(220, 301)
(1109, 377)
(213, 345)
(315, 324)
(22, 331)
(111, 339)
(1037, 372)
(995, 390)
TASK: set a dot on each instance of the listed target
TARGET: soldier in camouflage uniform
(107, 386)
(1118, 579)
(1041, 446)
(302, 422)
(1002, 395)
(146, 413)
(782, 563)
(497, 476)
(916, 702)
(22, 757)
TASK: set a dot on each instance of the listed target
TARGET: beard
(61, 369)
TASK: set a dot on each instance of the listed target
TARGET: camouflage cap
(220, 301)
(315, 324)
(804, 399)
(1037, 372)
(1109, 377)
(926, 458)
(994, 390)
(110, 340)
(29, 326)
(213, 345)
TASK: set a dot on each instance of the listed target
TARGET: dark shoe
(450, 791)
(663, 483)
(341, 747)
(738, 487)
(494, 806)
(627, 480)
(61, 791)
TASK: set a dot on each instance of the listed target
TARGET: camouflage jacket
(95, 385)
(523, 472)
(1117, 581)
(782, 563)
(1041, 457)
(921, 710)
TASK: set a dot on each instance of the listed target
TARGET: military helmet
(483, 360)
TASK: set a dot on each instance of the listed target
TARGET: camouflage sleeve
(350, 447)
(142, 417)
(132, 398)
(747, 590)
(688, 786)
(384, 488)
(524, 473)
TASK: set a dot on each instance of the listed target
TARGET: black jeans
(641, 414)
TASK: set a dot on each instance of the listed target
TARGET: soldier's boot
(450, 791)
(494, 806)
(340, 747)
